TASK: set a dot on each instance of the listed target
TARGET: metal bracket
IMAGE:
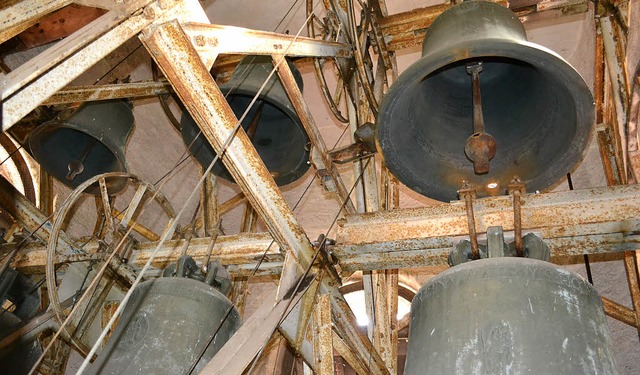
(468, 193)
(516, 188)
(534, 247)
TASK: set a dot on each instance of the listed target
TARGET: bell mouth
(535, 104)
(55, 146)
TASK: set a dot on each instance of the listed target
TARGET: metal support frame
(323, 336)
(173, 50)
(616, 67)
(572, 223)
(596, 220)
(106, 92)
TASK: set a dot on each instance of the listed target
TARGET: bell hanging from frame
(82, 143)
(272, 123)
(508, 316)
(483, 105)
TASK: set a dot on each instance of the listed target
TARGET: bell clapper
(480, 146)
(76, 167)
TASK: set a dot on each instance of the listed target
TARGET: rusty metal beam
(304, 113)
(633, 280)
(346, 327)
(407, 29)
(106, 92)
(173, 51)
(238, 252)
(213, 40)
(30, 85)
(572, 223)
(27, 214)
(616, 67)
(323, 336)
(619, 312)
(21, 15)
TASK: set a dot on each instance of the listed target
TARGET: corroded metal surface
(197, 89)
(322, 336)
(239, 252)
(616, 67)
(173, 51)
(106, 92)
(218, 39)
(573, 222)
(633, 281)
(22, 15)
(26, 213)
(346, 326)
(289, 84)
(87, 54)
(619, 312)
(21, 165)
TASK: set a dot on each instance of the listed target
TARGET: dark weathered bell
(272, 123)
(508, 316)
(81, 144)
(166, 326)
(483, 105)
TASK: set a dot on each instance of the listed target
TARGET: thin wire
(11, 154)
(118, 64)
(285, 15)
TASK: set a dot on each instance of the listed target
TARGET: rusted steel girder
(572, 223)
(20, 16)
(182, 65)
(304, 113)
(185, 69)
(631, 260)
(323, 336)
(407, 29)
(27, 214)
(213, 40)
(616, 67)
(238, 252)
(106, 92)
(33, 82)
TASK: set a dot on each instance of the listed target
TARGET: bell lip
(532, 53)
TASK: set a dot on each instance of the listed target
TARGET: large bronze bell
(508, 316)
(83, 143)
(272, 123)
(169, 325)
(483, 105)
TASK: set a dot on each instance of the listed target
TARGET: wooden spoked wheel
(324, 24)
(90, 233)
(330, 23)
